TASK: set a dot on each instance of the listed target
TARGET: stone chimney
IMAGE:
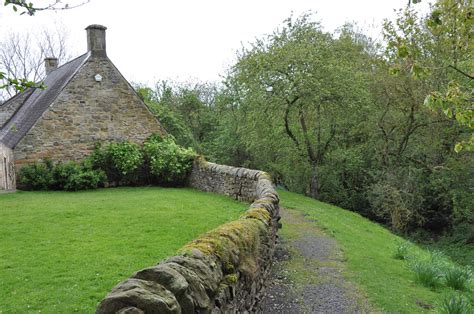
(96, 40)
(50, 64)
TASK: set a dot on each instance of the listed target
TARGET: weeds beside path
(308, 273)
(353, 266)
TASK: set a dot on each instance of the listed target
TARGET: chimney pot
(96, 40)
(50, 64)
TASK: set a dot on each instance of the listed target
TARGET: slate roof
(5, 110)
(40, 100)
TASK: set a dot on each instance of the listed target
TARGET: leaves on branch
(31, 9)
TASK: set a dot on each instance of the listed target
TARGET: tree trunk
(314, 183)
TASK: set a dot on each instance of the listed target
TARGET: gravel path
(307, 275)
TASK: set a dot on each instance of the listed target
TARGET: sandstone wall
(87, 112)
(222, 271)
(7, 169)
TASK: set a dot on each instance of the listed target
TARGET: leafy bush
(119, 160)
(70, 176)
(455, 304)
(37, 176)
(85, 179)
(115, 163)
(125, 157)
(62, 174)
(388, 203)
(168, 162)
(457, 277)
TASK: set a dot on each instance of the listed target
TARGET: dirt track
(308, 272)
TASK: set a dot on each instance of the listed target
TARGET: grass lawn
(369, 249)
(61, 252)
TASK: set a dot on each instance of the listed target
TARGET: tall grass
(455, 304)
(426, 272)
(401, 251)
(458, 277)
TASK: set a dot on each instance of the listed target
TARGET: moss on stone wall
(223, 270)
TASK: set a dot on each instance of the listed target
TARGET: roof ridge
(72, 60)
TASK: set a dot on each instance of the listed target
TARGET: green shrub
(62, 174)
(457, 277)
(167, 162)
(37, 176)
(116, 163)
(98, 158)
(70, 176)
(125, 157)
(455, 304)
(120, 161)
(389, 204)
(85, 179)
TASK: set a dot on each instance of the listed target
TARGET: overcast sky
(151, 40)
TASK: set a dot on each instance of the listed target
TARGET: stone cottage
(86, 101)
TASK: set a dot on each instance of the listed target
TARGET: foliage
(389, 204)
(71, 176)
(62, 172)
(55, 244)
(85, 179)
(37, 176)
(123, 158)
(18, 84)
(455, 304)
(31, 9)
(439, 44)
(120, 161)
(426, 272)
(323, 114)
(295, 91)
(160, 160)
(401, 251)
(342, 118)
(458, 277)
(368, 248)
(185, 110)
(168, 162)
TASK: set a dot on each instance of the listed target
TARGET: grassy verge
(61, 252)
(454, 246)
(369, 248)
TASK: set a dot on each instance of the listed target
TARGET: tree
(303, 85)
(442, 48)
(184, 109)
(22, 56)
(19, 84)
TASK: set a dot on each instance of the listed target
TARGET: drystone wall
(224, 270)
(7, 169)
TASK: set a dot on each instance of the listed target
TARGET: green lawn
(61, 252)
(369, 249)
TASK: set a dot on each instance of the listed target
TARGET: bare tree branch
(22, 55)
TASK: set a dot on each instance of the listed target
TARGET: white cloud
(150, 40)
